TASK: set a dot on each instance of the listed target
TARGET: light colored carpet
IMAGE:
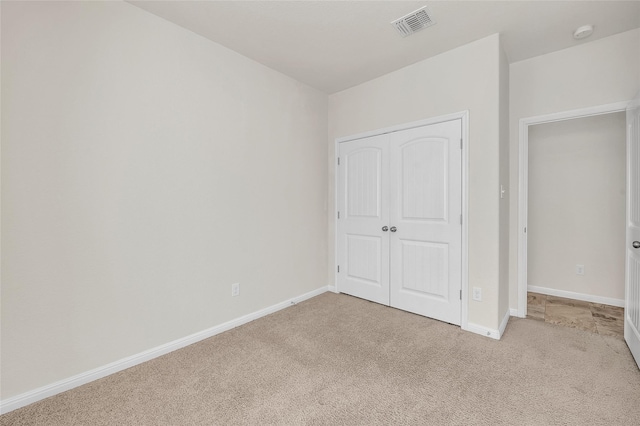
(336, 359)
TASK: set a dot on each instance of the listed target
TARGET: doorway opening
(560, 260)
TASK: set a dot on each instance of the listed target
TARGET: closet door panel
(426, 203)
(424, 180)
(363, 247)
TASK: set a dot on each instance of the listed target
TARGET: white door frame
(464, 117)
(523, 184)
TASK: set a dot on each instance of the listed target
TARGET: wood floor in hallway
(595, 317)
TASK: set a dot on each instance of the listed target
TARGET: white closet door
(426, 199)
(363, 247)
(632, 299)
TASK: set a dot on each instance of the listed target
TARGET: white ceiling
(333, 45)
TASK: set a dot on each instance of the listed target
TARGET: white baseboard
(483, 331)
(490, 332)
(333, 289)
(35, 395)
(503, 323)
(577, 296)
(513, 312)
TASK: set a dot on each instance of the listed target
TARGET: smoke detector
(413, 22)
(583, 32)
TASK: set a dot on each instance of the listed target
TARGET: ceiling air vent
(413, 22)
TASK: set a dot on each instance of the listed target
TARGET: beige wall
(503, 302)
(576, 209)
(466, 78)
(144, 170)
(596, 73)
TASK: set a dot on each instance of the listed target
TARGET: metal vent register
(413, 22)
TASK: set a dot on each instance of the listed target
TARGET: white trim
(503, 323)
(490, 332)
(38, 394)
(335, 213)
(464, 317)
(577, 296)
(483, 331)
(405, 126)
(523, 194)
(333, 289)
(513, 312)
(464, 117)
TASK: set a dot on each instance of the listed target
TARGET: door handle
(636, 244)
(385, 228)
(394, 229)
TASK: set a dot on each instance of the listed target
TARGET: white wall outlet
(477, 294)
(235, 289)
(579, 269)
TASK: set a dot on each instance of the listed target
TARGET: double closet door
(399, 225)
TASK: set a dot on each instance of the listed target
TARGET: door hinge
(460, 219)
(525, 229)
(338, 161)
(338, 268)
(460, 294)
(460, 143)
(338, 215)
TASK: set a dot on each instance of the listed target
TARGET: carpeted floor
(339, 360)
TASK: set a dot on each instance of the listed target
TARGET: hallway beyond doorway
(595, 317)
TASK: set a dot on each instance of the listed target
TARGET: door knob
(393, 229)
(385, 228)
(636, 244)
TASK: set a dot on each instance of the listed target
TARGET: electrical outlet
(235, 289)
(579, 269)
(477, 294)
